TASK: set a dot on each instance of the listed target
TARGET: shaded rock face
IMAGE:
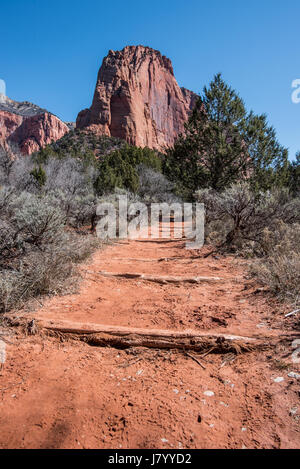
(137, 98)
(28, 126)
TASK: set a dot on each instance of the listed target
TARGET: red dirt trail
(59, 393)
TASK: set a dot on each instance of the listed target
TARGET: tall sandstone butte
(28, 126)
(137, 98)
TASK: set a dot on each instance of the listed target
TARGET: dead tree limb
(158, 279)
(195, 360)
(125, 337)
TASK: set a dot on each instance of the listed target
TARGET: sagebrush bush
(154, 187)
(50, 271)
(280, 268)
(263, 226)
(37, 251)
(242, 216)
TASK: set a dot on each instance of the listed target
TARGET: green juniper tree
(119, 168)
(294, 176)
(222, 145)
(267, 159)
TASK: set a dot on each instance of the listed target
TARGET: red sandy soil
(58, 393)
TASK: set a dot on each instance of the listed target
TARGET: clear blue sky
(51, 50)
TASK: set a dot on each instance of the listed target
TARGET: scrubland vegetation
(263, 226)
(231, 161)
(228, 159)
(48, 208)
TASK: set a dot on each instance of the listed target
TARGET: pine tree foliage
(222, 144)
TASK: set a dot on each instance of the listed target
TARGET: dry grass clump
(279, 269)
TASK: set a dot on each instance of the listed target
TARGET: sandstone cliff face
(8, 124)
(137, 98)
(38, 131)
(28, 126)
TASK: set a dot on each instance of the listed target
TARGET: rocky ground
(59, 392)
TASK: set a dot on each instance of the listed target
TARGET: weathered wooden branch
(124, 337)
(195, 360)
(157, 279)
(153, 260)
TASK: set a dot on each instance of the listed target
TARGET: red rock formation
(137, 98)
(38, 131)
(8, 124)
(28, 126)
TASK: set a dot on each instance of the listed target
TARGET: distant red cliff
(28, 126)
(137, 98)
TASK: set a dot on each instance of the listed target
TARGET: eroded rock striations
(28, 126)
(137, 98)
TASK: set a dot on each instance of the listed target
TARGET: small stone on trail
(209, 393)
(294, 375)
(278, 380)
(294, 411)
(229, 383)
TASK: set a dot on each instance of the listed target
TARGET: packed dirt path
(59, 392)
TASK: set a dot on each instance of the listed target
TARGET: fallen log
(153, 259)
(160, 240)
(158, 279)
(125, 337)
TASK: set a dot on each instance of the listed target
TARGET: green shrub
(119, 168)
(39, 175)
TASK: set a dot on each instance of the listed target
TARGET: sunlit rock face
(137, 98)
(28, 126)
